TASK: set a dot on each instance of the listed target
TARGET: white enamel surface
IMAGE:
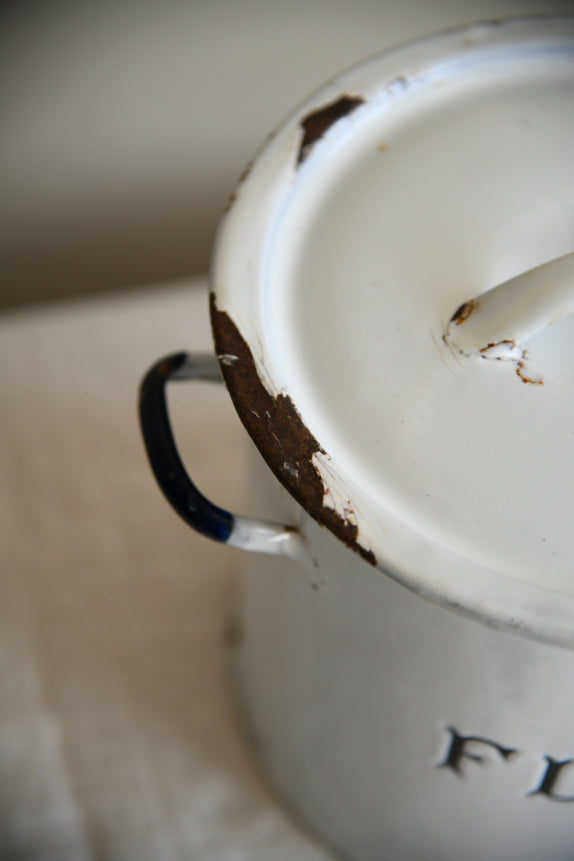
(455, 175)
(349, 684)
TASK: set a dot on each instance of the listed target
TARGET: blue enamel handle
(201, 514)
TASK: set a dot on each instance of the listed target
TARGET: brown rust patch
(463, 313)
(318, 122)
(278, 431)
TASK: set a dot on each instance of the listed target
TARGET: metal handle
(201, 514)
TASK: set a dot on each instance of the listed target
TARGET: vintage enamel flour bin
(391, 301)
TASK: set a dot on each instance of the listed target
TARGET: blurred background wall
(123, 125)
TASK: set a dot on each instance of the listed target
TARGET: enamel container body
(392, 297)
(393, 727)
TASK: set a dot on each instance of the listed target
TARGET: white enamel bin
(391, 302)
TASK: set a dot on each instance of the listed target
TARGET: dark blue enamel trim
(205, 517)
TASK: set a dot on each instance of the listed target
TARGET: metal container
(391, 308)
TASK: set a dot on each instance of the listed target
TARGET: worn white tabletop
(117, 733)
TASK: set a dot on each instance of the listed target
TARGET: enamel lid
(429, 425)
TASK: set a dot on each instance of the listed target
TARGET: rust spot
(504, 342)
(242, 177)
(520, 370)
(278, 431)
(317, 123)
(231, 200)
(245, 172)
(519, 361)
(463, 313)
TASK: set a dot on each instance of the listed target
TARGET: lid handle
(498, 321)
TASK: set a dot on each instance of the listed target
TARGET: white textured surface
(117, 736)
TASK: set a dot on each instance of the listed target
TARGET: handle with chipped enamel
(201, 514)
(503, 318)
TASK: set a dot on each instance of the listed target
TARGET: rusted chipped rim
(278, 430)
(265, 404)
